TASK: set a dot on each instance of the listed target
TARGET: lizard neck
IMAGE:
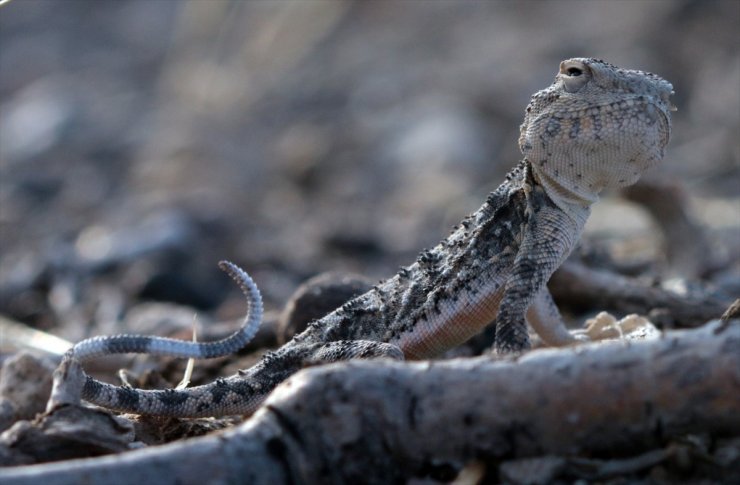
(575, 200)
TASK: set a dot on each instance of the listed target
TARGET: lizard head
(597, 126)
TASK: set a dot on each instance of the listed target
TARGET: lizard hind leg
(353, 349)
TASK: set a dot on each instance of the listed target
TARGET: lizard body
(597, 126)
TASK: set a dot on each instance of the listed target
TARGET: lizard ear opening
(574, 75)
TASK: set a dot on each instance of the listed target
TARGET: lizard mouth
(668, 101)
(666, 93)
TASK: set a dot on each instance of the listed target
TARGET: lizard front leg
(549, 236)
(543, 316)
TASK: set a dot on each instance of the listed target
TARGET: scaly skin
(596, 127)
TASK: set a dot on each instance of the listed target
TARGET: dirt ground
(143, 141)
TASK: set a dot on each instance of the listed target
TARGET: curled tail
(197, 401)
(152, 345)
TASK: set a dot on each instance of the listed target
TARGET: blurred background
(141, 141)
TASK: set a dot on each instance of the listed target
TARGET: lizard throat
(576, 201)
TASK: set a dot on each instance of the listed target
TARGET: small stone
(316, 298)
(25, 385)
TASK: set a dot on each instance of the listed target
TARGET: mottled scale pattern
(193, 401)
(597, 126)
(138, 344)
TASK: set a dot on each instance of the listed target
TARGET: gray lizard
(596, 127)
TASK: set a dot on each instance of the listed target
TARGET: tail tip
(227, 265)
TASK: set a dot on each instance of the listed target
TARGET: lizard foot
(604, 326)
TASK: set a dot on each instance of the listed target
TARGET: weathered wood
(685, 241)
(574, 283)
(383, 421)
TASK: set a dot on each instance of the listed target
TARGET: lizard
(596, 127)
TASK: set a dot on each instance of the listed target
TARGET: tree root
(574, 283)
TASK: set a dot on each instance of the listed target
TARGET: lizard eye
(574, 75)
